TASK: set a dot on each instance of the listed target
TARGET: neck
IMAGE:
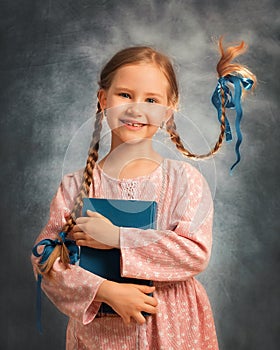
(128, 160)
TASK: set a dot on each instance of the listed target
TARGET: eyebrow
(154, 94)
(149, 93)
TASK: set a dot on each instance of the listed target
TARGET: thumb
(92, 213)
(95, 214)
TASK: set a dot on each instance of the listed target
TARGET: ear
(102, 98)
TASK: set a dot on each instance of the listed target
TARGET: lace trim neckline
(137, 178)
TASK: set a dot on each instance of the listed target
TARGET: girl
(138, 94)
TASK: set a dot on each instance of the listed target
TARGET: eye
(151, 100)
(124, 95)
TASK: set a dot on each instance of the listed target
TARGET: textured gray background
(51, 53)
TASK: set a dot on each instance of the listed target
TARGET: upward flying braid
(224, 68)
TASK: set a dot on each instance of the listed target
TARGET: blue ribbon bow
(49, 245)
(231, 102)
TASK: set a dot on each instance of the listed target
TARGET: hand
(100, 229)
(128, 300)
(85, 240)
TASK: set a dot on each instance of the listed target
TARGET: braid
(61, 249)
(175, 138)
(90, 164)
(171, 129)
(224, 67)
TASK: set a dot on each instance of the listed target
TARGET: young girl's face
(136, 103)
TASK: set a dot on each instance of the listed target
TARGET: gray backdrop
(51, 54)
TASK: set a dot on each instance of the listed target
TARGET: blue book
(124, 213)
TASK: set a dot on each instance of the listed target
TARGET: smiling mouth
(133, 124)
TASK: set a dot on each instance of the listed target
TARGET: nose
(134, 110)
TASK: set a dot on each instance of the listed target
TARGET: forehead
(144, 75)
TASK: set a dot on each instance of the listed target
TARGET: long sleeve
(181, 247)
(72, 290)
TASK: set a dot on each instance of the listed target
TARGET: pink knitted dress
(170, 256)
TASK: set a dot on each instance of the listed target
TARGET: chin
(134, 137)
(134, 140)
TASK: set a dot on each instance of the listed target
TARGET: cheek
(152, 130)
(156, 114)
(112, 122)
(113, 115)
(114, 101)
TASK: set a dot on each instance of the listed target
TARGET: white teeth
(134, 124)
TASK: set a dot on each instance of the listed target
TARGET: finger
(151, 301)
(76, 228)
(139, 318)
(82, 227)
(150, 309)
(145, 289)
(82, 220)
(91, 243)
(78, 235)
(81, 242)
(126, 319)
(95, 214)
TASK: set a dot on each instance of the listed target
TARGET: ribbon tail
(238, 109)
(228, 130)
(238, 157)
(233, 102)
(39, 304)
(49, 246)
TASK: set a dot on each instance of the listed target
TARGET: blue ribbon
(231, 102)
(49, 245)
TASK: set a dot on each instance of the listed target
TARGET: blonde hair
(138, 55)
(224, 67)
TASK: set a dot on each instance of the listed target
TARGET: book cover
(123, 213)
